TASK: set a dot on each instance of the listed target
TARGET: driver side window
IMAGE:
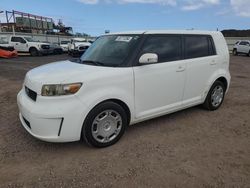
(168, 48)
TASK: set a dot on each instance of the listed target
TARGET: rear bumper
(52, 120)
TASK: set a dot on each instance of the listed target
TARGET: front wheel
(34, 52)
(104, 125)
(215, 96)
(235, 52)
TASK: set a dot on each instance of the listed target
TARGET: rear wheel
(235, 52)
(215, 96)
(104, 125)
(33, 52)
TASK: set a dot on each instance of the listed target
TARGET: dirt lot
(191, 148)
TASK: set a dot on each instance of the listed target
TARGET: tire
(104, 125)
(235, 52)
(248, 54)
(33, 52)
(212, 103)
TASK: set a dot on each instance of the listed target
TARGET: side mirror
(148, 58)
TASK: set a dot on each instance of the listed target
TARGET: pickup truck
(78, 46)
(29, 45)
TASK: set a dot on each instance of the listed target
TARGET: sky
(95, 16)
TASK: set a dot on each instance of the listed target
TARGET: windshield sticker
(123, 38)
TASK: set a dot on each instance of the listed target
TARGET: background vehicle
(78, 46)
(242, 47)
(65, 45)
(56, 48)
(123, 79)
(28, 44)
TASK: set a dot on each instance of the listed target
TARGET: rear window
(197, 46)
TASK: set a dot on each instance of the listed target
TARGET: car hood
(60, 73)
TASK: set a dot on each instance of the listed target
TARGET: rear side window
(17, 39)
(211, 46)
(198, 46)
(168, 48)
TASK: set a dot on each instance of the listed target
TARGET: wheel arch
(119, 102)
(32, 47)
(221, 75)
(115, 100)
(223, 80)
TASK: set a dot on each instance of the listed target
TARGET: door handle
(180, 69)
(213, 62)
(16, 43)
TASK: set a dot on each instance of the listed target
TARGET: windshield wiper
(92, 62)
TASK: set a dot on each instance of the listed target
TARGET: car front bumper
(53, 120)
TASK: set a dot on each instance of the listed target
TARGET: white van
(123, 79)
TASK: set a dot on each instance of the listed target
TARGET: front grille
(83, 47)
(44, 46)
(31, 94)
(27, 122)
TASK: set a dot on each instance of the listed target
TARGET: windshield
(29, 39)
(111, 50)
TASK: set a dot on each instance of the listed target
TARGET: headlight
(60, 89)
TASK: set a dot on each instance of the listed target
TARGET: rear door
(201, 59)
(159, 87)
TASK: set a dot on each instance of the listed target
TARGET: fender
(92, 99)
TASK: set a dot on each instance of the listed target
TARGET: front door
(159, 87)
(19, 44)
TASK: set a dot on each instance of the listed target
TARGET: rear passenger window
(197, 46)
(211, 46)
(168, 48)
(17, 39)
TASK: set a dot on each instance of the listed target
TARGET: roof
(167, 32)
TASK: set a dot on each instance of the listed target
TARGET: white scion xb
(123, 79)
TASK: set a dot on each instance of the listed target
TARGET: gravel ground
(190, 148)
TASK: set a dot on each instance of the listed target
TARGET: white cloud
(241, 7)
(163, 2)
(198, 4)
(192, 6)
(186, 5)
(92, 2)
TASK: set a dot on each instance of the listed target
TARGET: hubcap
(217, 96)
(106, 126)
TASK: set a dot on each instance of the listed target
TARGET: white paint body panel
(149, 91)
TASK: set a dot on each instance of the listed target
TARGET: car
(56, 48)
(78, 46)
(29, 45)
(242, 47)
(64, 45)
(122, 79)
